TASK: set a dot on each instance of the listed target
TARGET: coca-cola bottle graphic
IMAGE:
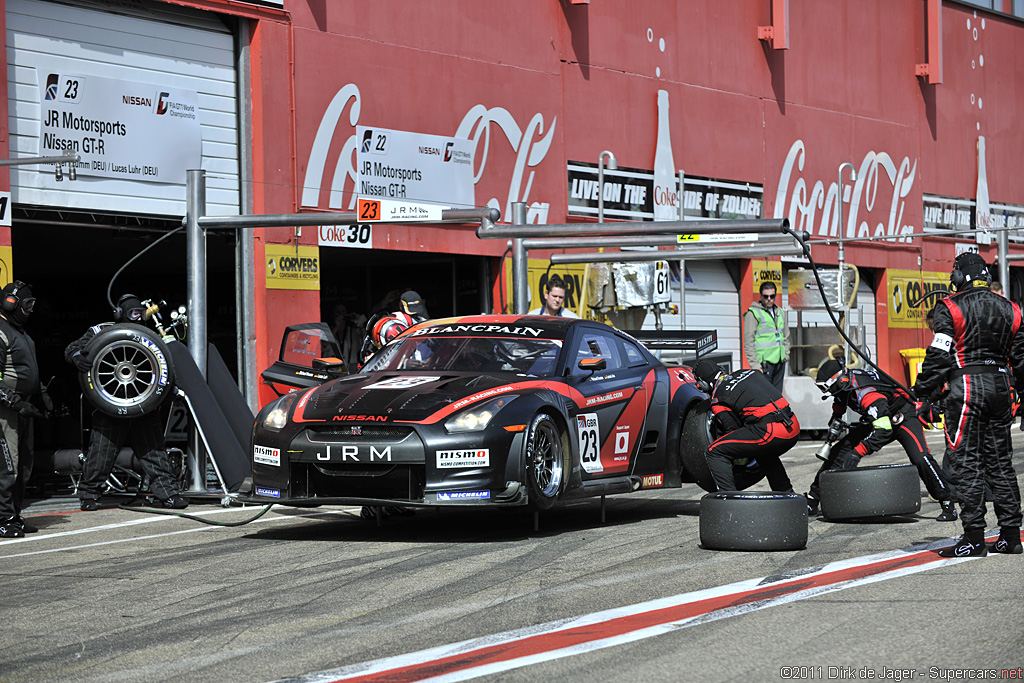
(666, 207)
(983, 211)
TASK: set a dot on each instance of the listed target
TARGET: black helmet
(129, 309)
(832, 377)
(969, 267)
(18, 302)
(707, 373)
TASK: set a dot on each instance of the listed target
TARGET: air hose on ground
(183, 515)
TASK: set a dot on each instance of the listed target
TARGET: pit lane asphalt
(118, 595)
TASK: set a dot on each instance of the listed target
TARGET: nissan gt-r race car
(497, 410)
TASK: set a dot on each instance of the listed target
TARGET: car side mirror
(332, 366)
(592, 364)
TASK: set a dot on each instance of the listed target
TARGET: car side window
(596, 344)
(634, 357)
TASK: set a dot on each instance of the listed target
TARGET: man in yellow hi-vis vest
(766, 336)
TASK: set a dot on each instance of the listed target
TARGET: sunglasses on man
(767, 296)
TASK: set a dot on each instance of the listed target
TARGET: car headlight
(476, 419)
(277, 418)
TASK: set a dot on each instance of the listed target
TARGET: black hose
(801, 238)
(154, 511)
(110, 286)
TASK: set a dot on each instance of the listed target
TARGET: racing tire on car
(131, 371)
(695, 438)
(863, 492)
(753, 520)
(546, 458)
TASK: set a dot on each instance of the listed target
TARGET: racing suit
(977, 342)
(144, 433)
(756, 422)
(888, 414)
(19, 383)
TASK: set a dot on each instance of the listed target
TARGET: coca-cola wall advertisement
(663, 86)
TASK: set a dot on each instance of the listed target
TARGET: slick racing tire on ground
(864, 492)
(546, 458)
(753, 520)
(131, 371)
(694, 439)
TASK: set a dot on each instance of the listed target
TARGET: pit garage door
(154, 45)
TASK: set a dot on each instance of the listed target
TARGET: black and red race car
(497, 410)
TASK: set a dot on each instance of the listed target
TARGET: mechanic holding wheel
(756, 422)
(888, 414)
(978, 343)
(144, 433)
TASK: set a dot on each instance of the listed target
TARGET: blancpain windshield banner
(395, 164)
(121, 129)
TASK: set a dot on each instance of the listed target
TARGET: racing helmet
(969, 269)
(832, 377)
(129, 309)
(707, 373)
(389, 327)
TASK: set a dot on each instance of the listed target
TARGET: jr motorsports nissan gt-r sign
(494, 410)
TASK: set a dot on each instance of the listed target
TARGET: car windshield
(533, 357)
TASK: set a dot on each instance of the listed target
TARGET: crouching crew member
(755, 422)
(977, 341)
(887, 414)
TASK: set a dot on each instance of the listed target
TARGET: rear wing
(699, 342)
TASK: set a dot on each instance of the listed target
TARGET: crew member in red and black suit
(887, 414)
(979, 350)
(755, 422)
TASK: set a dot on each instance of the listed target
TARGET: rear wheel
(696, 436)
(546, 462)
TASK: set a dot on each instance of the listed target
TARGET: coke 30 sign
(531, 147)
(880, 185)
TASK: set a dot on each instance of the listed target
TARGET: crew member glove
(26, 409)
(81, 362)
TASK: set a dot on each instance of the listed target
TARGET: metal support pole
(841, 290)
(520, 276)
(1003, 246)
(196, 249)
(682, 262)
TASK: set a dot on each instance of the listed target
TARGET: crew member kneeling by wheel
(755, 420)
(144, 432)
(890, 415)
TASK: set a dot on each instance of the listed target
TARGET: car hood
(397, 396)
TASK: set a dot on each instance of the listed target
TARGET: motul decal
(650, 481)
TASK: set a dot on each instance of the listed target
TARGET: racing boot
(971, 544)
(90, 505)
(1008, 542)
(25, 526)
(948, 513)
(812, 505)
(173, 503)
(10, 529)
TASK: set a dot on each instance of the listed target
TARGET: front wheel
(546, 467)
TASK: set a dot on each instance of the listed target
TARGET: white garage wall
(155, 43)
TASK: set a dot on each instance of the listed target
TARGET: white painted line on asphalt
(544, 642)
(154, 518)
